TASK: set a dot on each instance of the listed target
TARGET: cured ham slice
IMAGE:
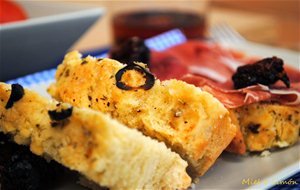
(211, 67)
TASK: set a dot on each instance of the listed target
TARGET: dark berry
(266, 71)
(130, 51)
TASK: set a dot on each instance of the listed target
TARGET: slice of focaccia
(265, 126)
(190, 121)
(89, 142)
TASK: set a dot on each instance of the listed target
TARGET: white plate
(258, 50)
(232, 171)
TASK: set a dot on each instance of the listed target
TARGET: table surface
(269, 29)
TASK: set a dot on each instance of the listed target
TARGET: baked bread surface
(188, 120)
(265, 126)
(92, 143)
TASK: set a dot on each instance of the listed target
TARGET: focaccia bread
(265, 126)
(190, 121)
(90, 142)
(262, 94)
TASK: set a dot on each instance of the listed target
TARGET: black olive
(254, 128)
(60, 115)
(17, 92)
(266, 71)
(132, 50)
(84, 62)
(150, 79)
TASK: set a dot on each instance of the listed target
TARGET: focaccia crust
(91, 143)
(190, 121)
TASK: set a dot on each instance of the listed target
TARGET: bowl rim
(73, 15)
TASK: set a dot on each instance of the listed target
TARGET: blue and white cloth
(158, 43)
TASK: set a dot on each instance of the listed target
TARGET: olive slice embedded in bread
(190, 121)
(90, 142)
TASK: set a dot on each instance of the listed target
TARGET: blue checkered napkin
(35, 78)
(162, 41)
(166, 40)
(158, 43)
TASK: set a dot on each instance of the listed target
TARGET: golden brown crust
(93, 144)
(267, 125)
(185, 118)
(237, 145)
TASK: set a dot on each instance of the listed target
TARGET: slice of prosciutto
(209, 66)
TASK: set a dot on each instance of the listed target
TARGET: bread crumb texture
(190, 121)
(268, 125)
(90, 142)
